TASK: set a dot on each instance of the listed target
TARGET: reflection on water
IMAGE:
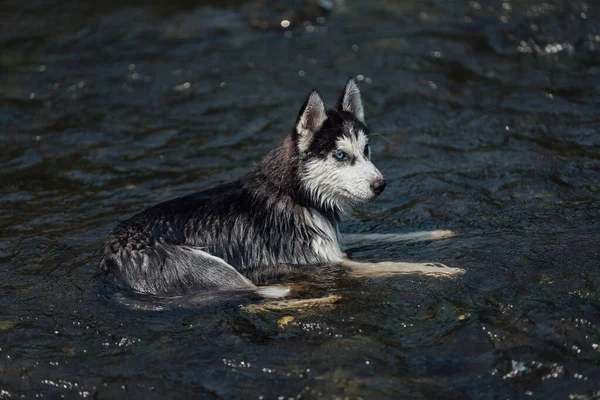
(487, 114)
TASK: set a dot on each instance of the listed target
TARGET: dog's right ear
(350, 101)
(310, 120)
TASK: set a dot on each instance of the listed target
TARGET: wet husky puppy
(282, 215)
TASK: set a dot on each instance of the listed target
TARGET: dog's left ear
(351, 102)
(310, 120)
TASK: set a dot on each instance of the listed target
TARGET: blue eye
(340, 155)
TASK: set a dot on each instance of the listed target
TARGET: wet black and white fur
(281, 215)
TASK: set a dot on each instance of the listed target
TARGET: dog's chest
(324, 243)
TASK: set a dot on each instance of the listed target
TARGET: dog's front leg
(388, 268)
(356, 239)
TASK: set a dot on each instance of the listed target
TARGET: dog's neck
(279, 173)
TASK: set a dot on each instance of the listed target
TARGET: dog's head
(335, 158)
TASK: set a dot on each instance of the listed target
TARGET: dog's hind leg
(224, 275)
(388, 268)
(167, 270)
(355, 239)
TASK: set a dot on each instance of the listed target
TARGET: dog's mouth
(361, 197)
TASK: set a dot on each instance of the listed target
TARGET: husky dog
(282, 215)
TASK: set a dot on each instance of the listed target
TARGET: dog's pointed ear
(350, 101)
(310, 120)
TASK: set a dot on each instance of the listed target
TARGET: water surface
(488, 115)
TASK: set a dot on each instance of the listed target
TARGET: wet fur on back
(281, 216)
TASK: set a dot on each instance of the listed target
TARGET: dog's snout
(378, 185)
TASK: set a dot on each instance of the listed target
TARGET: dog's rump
(166, 269)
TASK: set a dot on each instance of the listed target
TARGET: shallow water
(489, 120)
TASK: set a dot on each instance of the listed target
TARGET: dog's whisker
(383, 136)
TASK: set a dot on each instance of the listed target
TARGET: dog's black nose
(377, 186)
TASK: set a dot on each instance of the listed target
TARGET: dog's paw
(273, 291)
(439, 234)
(443, 269)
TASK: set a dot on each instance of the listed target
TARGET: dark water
(489, 115)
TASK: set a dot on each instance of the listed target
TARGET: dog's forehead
(340, 129)
(353, 138)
